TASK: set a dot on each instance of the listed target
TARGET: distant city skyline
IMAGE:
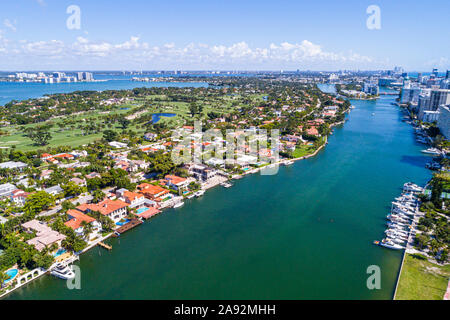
(35, 35)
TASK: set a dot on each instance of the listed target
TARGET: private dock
(127, 226)
(104, 245)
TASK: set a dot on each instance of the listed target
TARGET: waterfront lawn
(421, 279)
(304, 150)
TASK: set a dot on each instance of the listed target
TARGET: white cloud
(133, 53)
(10, 25)
(441, 63)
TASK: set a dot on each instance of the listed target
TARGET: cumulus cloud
(10, 25)
(135, 53)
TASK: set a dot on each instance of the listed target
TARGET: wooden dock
(128, 226)
(104, 245)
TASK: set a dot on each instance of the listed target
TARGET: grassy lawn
(422, 280)
(303, 150)
(74, 137)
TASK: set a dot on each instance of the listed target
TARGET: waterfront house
(202, 172)
(176, 182)
(114, 209)
(75, 222)
(153, 192)
(45, 236)
(134, 199)
(312, 131)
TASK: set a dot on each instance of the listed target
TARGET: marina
(404, 213)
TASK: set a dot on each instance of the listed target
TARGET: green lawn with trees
(422, 280)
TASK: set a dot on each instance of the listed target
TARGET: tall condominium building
(424, 102)
(439, 97)
(371, 87)
(58, 75)
(410, 94)
(434, 73)
(444, 120)
(85, 76)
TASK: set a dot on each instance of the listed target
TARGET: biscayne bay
(304, 233)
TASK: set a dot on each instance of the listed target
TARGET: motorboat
(432, 151)
(288, 163)
(62, 271)
(199, 193)
(179, 205)
(411, 187)
(395, 240)
(397, 223)
(226, 184)
(396, 218)
(391, 245)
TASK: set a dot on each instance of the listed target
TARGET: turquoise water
(59, 252)
(141, 210)
(22, 91)
(122, 223)
(305, 233)
(12, 273)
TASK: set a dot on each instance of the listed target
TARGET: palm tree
(3, 278)
(87, 227)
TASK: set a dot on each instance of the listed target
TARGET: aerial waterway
(304, 233)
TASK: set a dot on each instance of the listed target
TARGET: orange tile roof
(312, 131)
(174, 179)
(152, 190)
(64, 155)
(77, 218)
(131, 196)
(105, 207)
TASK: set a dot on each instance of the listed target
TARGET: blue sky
(268, 35)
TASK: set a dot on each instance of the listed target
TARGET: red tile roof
(77, 218)
(105, 207)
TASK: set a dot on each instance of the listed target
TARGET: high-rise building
(371, 87)
(58, 75)
(447, 75)
(410, 94)
(444, 120)
(85, 76)
(424, 102)
(435, 72)
(439, 97)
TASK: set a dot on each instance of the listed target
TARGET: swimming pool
(12, 273)
(141, 210)
(59, 252)
(122, 223)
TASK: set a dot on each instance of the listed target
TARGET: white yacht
(411, 187)
(432, 151)
(62, 271)
(226, 184)
(391, 245)
(179, 205)
(199, 193)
